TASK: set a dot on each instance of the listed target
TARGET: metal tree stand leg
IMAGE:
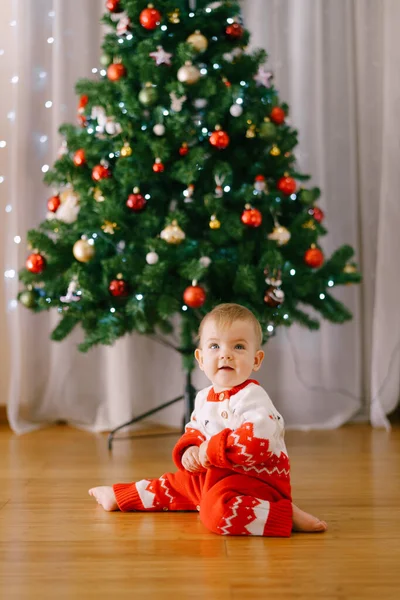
(188, 396)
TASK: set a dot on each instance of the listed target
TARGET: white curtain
(335, 63)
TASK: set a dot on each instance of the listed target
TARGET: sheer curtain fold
(333, 63)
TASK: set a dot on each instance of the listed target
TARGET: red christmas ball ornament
(158, 166)
(287, 185)
(118, 288)
(184, 149)
(100, 172)
(317, 214)
(136, 201)
(277, 115)
(35, 263)
(150, 17)
(194, 296)
(234, 31)
(113, 6)
(251, 216)
(53, 203)
(314, 258)
(219, 139)
(116, 71)
(79, 158)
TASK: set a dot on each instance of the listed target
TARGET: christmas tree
(178, 189)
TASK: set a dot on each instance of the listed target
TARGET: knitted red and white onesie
(246, 491)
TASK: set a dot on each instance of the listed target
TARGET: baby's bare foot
(305, 522)
(105, 496)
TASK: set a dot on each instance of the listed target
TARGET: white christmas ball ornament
(152, 258)
(205, 261)
(236, 110)
(188, 74)
(200, 103)
(159, 129)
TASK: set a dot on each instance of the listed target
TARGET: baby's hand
(190, 460)
(203, 458)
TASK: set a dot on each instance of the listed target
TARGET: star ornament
(161, 57)
(263, 77)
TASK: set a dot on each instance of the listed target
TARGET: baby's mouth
(226, 368)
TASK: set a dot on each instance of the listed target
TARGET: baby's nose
(226, 353)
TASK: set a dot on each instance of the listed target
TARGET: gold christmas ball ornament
(28, 298)
(198, 41)
(274, 151)
(173, 234)
(126, 150)
(148, 95)
(214, 223)
(83, 251)
(188, 74)
(280, 235)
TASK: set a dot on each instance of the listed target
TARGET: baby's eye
(213, 346)
(239, 347)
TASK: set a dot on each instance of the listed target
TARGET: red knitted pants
(229, 503)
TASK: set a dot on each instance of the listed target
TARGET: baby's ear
(259, 357)
(199, 357)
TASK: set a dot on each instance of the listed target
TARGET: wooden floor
(56, 542)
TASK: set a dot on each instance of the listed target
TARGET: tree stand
(188, 397)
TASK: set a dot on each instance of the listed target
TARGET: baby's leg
(306, 523)
(105, 497)
(172, 491)
(237, 505)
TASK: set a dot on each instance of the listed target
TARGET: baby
(232, 460)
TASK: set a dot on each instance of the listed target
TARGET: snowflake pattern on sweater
(245, 433)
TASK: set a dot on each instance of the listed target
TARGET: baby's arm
(193, 437)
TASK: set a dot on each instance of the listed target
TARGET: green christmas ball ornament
(148, 95)
(267, 130)
(105, 60)
(307, 197)
(28, 298)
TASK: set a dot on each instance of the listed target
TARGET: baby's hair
(225, 314)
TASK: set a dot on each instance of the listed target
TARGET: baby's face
(228, 355)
